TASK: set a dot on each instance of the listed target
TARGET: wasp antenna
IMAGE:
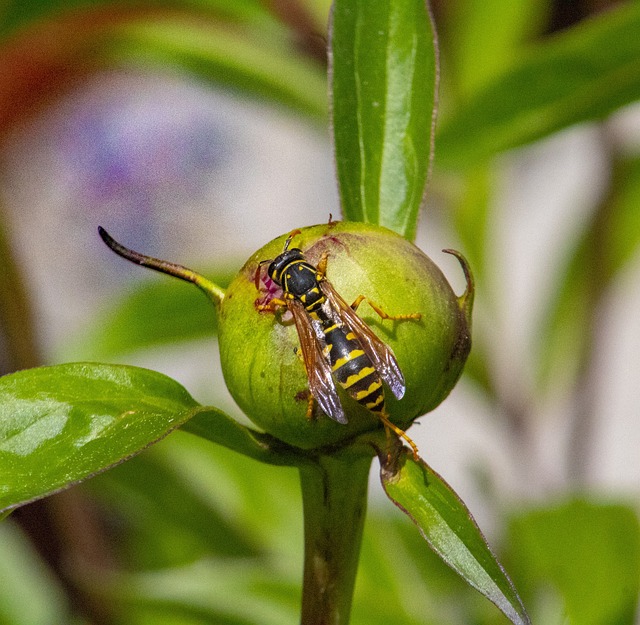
(291, 235)
(163, 266)
(256, 277)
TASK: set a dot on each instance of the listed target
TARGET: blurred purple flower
(137, 153)
(116, 153)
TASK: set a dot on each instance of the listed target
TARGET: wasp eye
(274, 272)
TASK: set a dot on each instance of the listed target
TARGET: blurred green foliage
(162, 546)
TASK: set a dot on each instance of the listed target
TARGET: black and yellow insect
(336, 344)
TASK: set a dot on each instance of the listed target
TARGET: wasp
(336, 344)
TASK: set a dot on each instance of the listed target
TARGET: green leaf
(448, 527)
(589, 552)
(383, 76)
(250, 62)
(60, 425)
(581, 74)
(202, 501)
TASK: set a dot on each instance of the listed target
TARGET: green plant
(64, 423)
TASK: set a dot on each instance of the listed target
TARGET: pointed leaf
(383, 77)
(448, 527)
(62, 424)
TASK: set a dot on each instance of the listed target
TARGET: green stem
(334, 495)
(212, 290)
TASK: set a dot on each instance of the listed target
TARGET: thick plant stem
(334, 495)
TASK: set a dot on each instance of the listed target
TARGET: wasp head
(278, 265)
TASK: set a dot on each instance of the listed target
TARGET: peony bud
(259, 350)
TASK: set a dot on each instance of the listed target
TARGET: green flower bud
(259, 350)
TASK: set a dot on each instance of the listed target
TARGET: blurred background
(196, 131)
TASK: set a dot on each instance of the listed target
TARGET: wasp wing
(378, 352)
(318, 368)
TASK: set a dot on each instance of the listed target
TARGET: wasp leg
(310, 406)
(391, 426)
(272, 306)
(381, 313)
(321, 267)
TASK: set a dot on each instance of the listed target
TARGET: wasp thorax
(278, 342)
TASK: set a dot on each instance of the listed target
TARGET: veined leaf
(62, 424)
(581, 74)
(448, 527)
(383, 77)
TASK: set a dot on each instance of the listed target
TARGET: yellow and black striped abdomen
(353, 369)
(350, 366)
